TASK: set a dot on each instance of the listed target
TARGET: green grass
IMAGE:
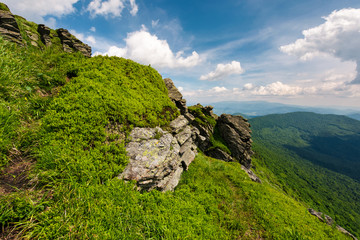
(3, 7)
(289, 157)
(57, 108)
(215, 200)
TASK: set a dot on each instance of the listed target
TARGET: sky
(303, 52)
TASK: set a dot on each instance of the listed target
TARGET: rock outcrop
(328, 220)
(72, 44)
(158, 157)
(44, 32)
(235, 131)
(9, 28)
(175, 96)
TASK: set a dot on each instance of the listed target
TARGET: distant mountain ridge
(252, 109)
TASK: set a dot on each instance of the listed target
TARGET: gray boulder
(235, 131)
(157, 158)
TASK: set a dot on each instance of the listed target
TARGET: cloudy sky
(304, 52)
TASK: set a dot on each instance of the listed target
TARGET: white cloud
(223, 70)
(134, 7)
(218, 89)
(154, 23)
(90, 39)
(111, 8)
(338, 36)
(145, 48)
(275, 89)
(35, 10)
(93, 29)
(50, 22)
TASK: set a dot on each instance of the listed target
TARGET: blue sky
(297, 52)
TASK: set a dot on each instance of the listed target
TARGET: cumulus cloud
(143, 47)
(338, 36)
(111, 8)
(134, 7)
(93, 29)
(218, 89)
(35, 10)
(223, 70)
(275, 89)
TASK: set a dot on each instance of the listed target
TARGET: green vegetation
(304, 154)
(217, 141)
(70, 115)
(215, 200)
(3, 7)
(201, 118)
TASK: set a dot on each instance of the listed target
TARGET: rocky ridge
(41, 36)
(158, 157)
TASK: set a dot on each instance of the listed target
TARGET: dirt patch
(15, 176)
(9, 233)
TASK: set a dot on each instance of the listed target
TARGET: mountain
(315, 158)
(252, 109)
(104, 148)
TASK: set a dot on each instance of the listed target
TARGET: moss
(4, 7)
(218, 142)
(200, 116)
(29, 32)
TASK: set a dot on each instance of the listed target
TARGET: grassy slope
(288, 155)
(69, 113)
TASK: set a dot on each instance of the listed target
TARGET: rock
(187, 157)
(344, 231)
(219, 154)
(175, 96)
(153, 158)
(183, 135)
(9, 28)
(189, 117)
(178, 124)
(251, 174)
(156, 159)
(71, 43)
(202, 115)
(44, 32)
(328, 220)
(235, 131)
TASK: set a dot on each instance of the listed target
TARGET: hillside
(315, 158)
(252, 109)
(67, 123)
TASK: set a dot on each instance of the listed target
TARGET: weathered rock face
(175, 96)
(9, 28)
(235, 131)
(157, 157)
(44, 32)
(205, 127)
(328, 220)
(71, 44)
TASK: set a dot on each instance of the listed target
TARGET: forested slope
(315, 158)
